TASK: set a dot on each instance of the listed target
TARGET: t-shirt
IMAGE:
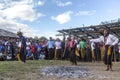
(82, 44)
(50, 44)
(19, 44)
(58, 45)
(28, 45)
(1, 47)
(39, 48)
(32, 47)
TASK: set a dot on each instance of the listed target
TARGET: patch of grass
(17, 70)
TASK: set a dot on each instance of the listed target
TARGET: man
(109, 41)
(82, 49)
(22, 47)
(51, 46)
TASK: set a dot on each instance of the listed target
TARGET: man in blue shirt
(22, 47)
(50, 45)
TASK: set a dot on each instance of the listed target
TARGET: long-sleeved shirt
(110, 40)
(23, 41)
(92, 45)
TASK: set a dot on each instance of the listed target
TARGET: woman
(73, 56)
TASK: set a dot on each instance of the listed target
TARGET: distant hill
(4, 33)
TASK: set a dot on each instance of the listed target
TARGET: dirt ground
(32, 71)
(97, 68)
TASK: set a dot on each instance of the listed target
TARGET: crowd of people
(35, 49)
(73, 49)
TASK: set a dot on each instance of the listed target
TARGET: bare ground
(34, 73)
(97, 68)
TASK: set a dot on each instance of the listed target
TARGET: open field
(31, 70)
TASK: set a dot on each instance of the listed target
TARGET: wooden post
(64, 37)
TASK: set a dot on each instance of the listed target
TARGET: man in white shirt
(109, 41)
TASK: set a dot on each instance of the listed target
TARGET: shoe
(107, 69)
(111, 68)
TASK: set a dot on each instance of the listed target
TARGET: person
(58, 47)
(28, 53)
(33, 51)
(109, 41)
(66, 53)
(119, 50)
(72, 44)
(12, 49)
(82, 49)
(51, 46)
(93, 51)
(88, 53)
(22, 46)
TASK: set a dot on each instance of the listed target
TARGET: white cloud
(52, 34)
(63, 18)
(11, 11)
(23, 10)
(61, 4)
(27, 30)
(13, 26)
(40, 15)
(86, 13)
(41, 3)
(49, 34)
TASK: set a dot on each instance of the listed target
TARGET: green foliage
(36, 38)
(43, 38)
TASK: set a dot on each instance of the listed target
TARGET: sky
(46, 17)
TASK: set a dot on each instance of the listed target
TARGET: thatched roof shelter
(4, 33)
(93, 31)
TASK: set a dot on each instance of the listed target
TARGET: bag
(77, 53)
(109, 50)
(18, 56)
(119, 48)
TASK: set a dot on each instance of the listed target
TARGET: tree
(43, 38)
(36, 38)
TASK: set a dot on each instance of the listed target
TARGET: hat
(19, 32)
